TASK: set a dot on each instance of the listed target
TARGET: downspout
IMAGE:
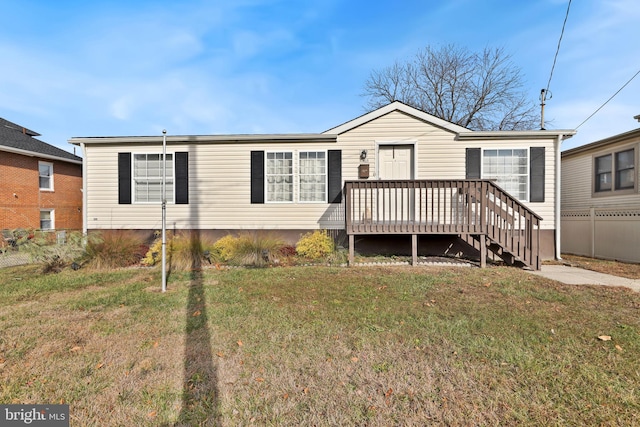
(557, 197)
(85, 221)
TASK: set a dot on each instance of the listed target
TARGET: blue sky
(105, 68)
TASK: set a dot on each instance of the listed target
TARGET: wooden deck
(478, 211)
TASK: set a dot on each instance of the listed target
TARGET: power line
(555, 58)
(607, 101)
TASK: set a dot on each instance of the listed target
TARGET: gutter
(39, 155)
(211, 139)
(558, 196)
(85, 221)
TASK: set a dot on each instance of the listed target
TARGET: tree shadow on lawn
(200, 395)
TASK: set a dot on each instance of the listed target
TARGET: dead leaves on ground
(608, 338)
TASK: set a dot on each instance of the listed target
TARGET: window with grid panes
(147, 178)
(279, 177)
(313, 176)
(510, 169)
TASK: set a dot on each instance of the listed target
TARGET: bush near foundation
(114, 249)
(185, 251)
(315, 245)
(223, 248)
(256, 249)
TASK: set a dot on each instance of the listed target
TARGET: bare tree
(480, 91)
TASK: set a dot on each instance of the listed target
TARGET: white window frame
(52, 219)
(485, 175)
(325, 175)
(170, 180)
(49, 165)
(267, 175)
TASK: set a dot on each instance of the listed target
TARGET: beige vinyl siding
(399, 128)
(602, 226)
(577, 182)
(219, 192)
(438, 154)
(220, 177)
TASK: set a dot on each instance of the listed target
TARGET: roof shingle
(13, 136)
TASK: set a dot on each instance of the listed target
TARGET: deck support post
(414, 249)
(482, 239)
(351, 249)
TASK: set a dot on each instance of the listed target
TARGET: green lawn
(373, 346)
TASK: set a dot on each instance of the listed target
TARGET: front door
(396, 162)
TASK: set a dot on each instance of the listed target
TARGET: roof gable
(396, 106)
(18, 139)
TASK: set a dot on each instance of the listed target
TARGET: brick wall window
(45, 171)
(46, 219)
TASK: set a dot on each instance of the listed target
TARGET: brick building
(40, 185)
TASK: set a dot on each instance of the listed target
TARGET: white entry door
(395, 205)
(396, 161)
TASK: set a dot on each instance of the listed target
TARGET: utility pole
(543, 98)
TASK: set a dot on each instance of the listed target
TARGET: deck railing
(476, 208)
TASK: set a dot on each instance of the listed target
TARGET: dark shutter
(124, 178)
(473, 158)
(182, 178)
(536, 174)
(257, 177)
(334, 172)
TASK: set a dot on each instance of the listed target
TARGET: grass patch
(320, 346)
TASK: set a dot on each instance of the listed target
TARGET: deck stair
(478, 211)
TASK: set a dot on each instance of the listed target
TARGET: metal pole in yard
(164, 210)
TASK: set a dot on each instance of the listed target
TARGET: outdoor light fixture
(363, 155)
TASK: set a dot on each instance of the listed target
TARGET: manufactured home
(393, 174)
(600, 202)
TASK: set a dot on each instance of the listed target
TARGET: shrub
(315, 245)
(224, 248)
(287, 255)
(154, 254)
(187, 251)
(114, 249)
(184, 251)
(53, 256)
(257, 249)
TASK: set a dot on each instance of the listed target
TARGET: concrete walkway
(579, 276)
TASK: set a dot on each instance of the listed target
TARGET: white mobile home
(394, 171)
(600, 201)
